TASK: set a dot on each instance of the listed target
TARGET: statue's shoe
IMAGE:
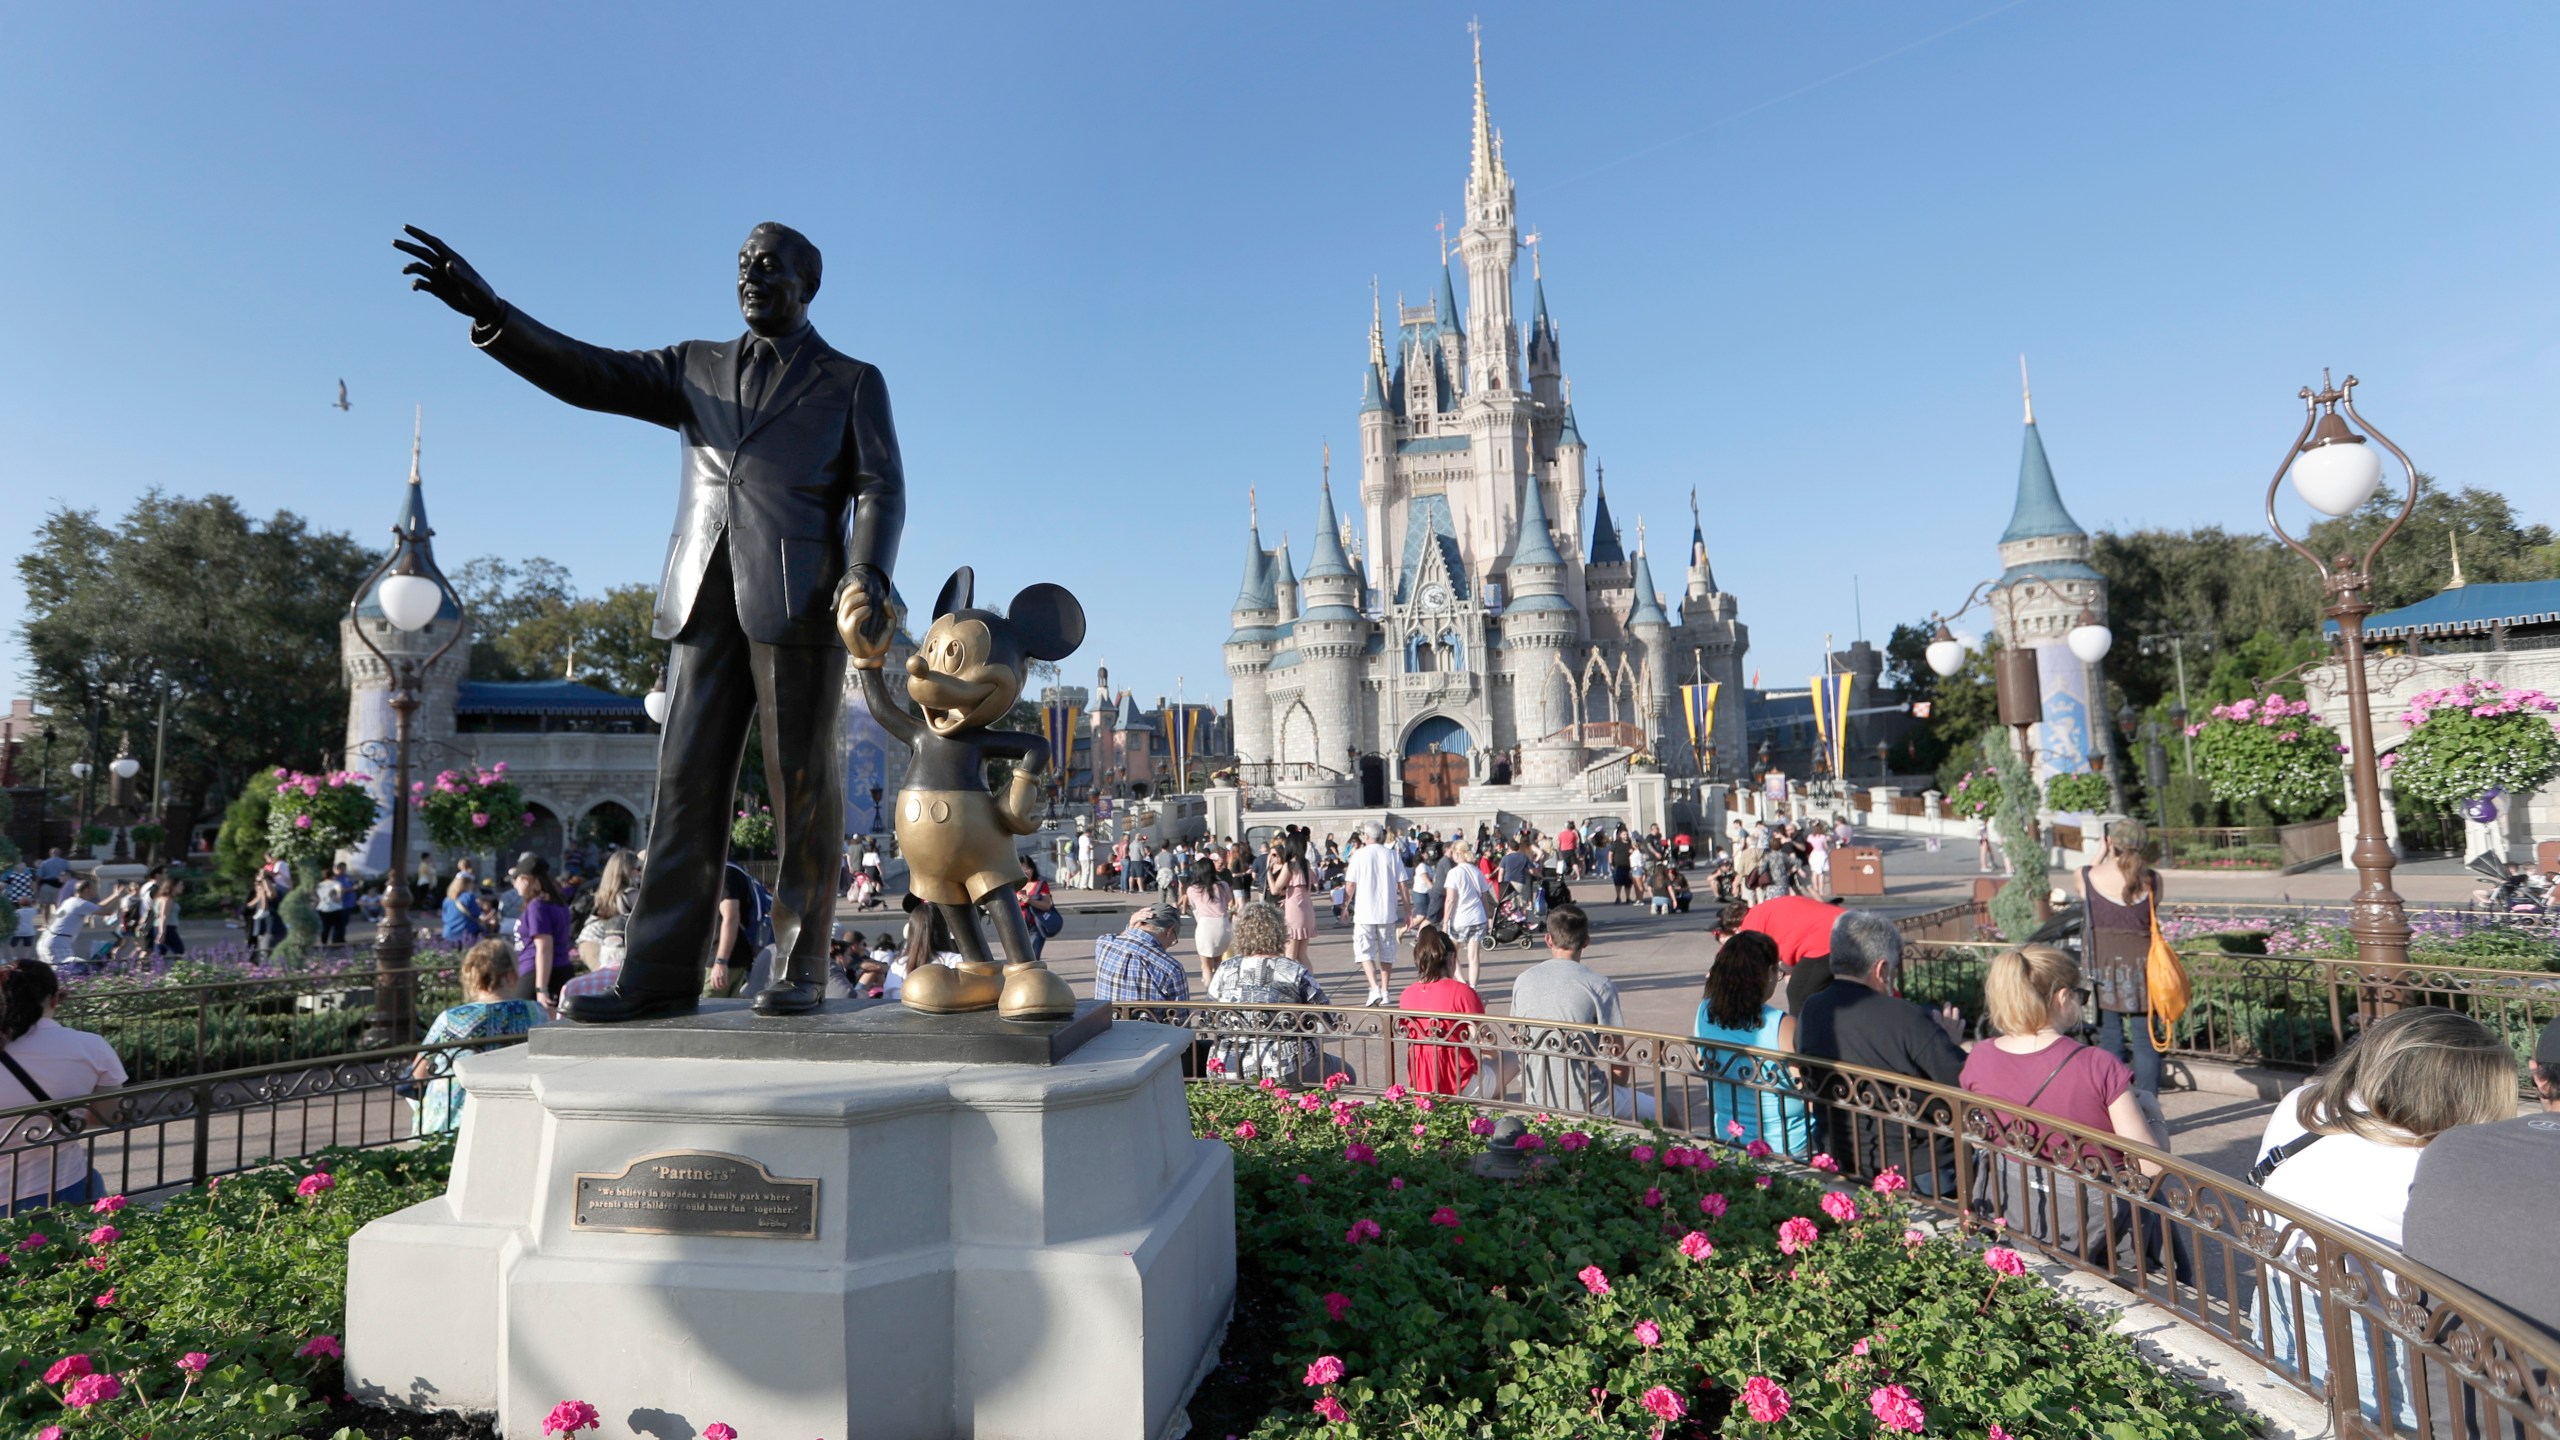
(785, 998)
(952, 990)
(613, 1007)
(1034, 992)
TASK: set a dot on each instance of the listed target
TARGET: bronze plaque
(698, 1192)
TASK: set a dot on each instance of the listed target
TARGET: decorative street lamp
(2335, 471)
(412, 591)
(44, 785)
(655, 702)
(2020, 688)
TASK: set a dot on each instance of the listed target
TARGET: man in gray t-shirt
(2486, 1203)
(1562, 988)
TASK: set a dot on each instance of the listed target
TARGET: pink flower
(1890, 1182)
(1763, 1181)
(1356, 1153)
(1326, 1370)
(1652, 1197)
(1895, 1409)
(1217, 1066)
(1758, 1150)
(1824, 1163)
(1425, 1104)
(718, 1431)
(1445, 1215)
(1331, 1409)
(2005, 1260)
(1838, 1205)
(1480, 1125)
(1697, 1246)
(104, 1236)
(113, 1204)
(69, 1367)
(1395, 1182)
(91, 1390)
(195, 1362)
(106, 1301)
(1336, 1305)
(1305, 1179)
(480, 819)
(1996, 1433)
(1914, 1239)
(1392, 1094)
(301, 822)
(1420, 1129)
(50, 1432)
(1642, 1154)
(1593, 1280)
(1530, 1142)
(571, 1416)
(1766, 1399)
(314, 1183)
(1362, 1231)
(1733, 1129)
(1335, 1081)
(1796, 1234)
(1666, 1406)
(1572, 1140)
(1648, 1334)
(1711, 1206)
(527, 819)
(1246, 1131)
(319, 1346)
(1860, 1348)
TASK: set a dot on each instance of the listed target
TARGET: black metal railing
(166, 1031)
(2388, 1347)
(191, 1130)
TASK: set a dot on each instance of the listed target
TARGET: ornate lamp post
(2335, 472)
(80, 770)
(2021, 689)
(44, 786)
(412, 592)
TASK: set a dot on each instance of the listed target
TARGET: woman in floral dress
(488, 970)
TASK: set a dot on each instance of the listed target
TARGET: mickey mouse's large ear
(958, 592)
(1048, 620)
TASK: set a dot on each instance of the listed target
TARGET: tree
(233, 621)
(527, 623)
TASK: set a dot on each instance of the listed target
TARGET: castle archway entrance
(1435, 761)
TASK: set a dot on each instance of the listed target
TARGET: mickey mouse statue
(956, 834)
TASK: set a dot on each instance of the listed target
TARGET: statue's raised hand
(863, 616)
(448, 277)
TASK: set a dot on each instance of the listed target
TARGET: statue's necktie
(755, 374)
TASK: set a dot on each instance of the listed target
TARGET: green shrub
(2081, 792)
(248, 1274)
(1563, 1304)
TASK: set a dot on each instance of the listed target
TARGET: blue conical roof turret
(1648, 608)
(1282, 572)
(2039, 511)
(1329, 561)
(1258, 592)
(1448, 303)
(1606, 547)
(1537, 542)
(1538, 324)
(1373, 390)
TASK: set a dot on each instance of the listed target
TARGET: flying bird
(342, 396)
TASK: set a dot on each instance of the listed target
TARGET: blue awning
(541, 697)
(2468, 610)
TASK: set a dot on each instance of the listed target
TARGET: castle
(1473, 614)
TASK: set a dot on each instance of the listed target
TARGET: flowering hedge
(479, 813)
(1976, 795)
(2086, 790)
(2269, 749)
(752, 832)
(1626, 1287)
(313, 817)
(213, 1317)
(2467, 741)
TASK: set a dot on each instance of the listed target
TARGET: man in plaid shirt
(1134, 964)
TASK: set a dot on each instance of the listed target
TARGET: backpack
(1249, 1060)
(759, 916)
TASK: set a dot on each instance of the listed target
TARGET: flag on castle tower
(1831, 715)
(1699, 702)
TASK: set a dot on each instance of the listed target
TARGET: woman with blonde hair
(1466, 911)
(600, 940)
(2123, 895)
(486, 1011)
(2345, 1147)
(2036, 997)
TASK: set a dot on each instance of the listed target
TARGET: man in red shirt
(1802, 927)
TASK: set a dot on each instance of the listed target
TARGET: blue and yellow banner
(1058, 727)
(1831, 716)
(1698, 702)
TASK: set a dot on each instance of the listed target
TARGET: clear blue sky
(1115, 262)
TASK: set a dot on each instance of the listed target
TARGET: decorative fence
(189, 1131)
(167, 1032)
(2388, 1347)
(2290, 1011)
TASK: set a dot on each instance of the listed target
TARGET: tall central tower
(1489, 242)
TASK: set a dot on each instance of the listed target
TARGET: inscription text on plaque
(697, 1192)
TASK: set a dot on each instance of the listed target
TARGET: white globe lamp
(1946, 656)
(411, 601)
(2336, 471)
(2090, 641)
(656, 702)
(126, 767)
(80, 769)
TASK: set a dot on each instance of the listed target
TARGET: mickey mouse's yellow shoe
(953, 989)
(1034, 992)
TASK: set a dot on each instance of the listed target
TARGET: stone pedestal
(1225, 811)
(1026, 1244)
(1649, 797)
(1553, 762)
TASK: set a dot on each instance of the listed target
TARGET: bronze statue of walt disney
(956, 834)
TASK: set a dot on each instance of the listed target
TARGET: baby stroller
(1515, 922)
(2511, 888)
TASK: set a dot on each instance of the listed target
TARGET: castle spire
(2454, 539)
(1487, 160)
(2039, 510)
(1606, 546)
(2025, 390)
(1327, 561)
(412, 524)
